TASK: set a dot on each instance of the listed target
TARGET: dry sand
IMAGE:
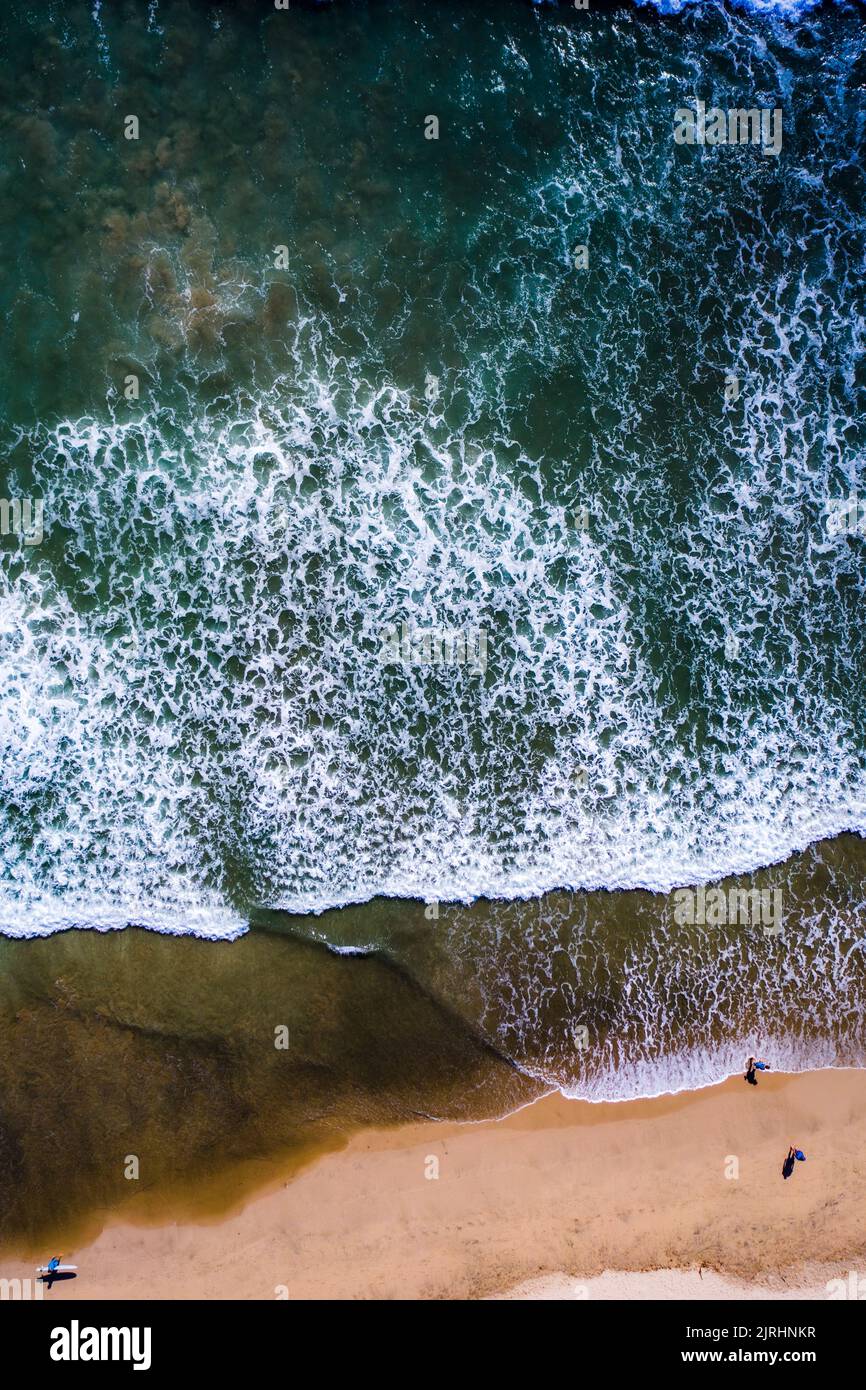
(538, 1205)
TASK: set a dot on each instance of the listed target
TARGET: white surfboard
(61, 1269)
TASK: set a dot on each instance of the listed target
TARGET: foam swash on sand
(374, 387)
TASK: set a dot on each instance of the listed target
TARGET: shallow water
(422, 412)
(219, 1066)
(405, 426)
(159, 1076)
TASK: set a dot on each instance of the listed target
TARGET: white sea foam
(197, 722)
(786, 9)
(610, 1000)
(232, 687)
(672, 1073)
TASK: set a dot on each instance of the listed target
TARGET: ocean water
(287, 376)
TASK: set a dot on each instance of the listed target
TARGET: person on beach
(54, 1263)
(794, 1154)
(753, 1065)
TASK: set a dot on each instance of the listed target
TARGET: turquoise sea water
(287, 375)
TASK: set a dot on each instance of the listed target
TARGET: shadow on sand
(49, 1279)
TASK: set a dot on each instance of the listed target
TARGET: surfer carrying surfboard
(56, 1270)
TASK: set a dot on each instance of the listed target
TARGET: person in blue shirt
(753, 1065)
(793, 1154)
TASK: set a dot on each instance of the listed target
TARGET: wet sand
(559, 1192)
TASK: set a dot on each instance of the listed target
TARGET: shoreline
(603, 1194)
(687, 1090)
(236, 924)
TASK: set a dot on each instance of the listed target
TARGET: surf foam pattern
(195, 719)
(790, 10)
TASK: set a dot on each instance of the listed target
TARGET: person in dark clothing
(753, 1066)
(794, 1154)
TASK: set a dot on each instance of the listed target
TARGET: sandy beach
(561, 1200)
(432, 525)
